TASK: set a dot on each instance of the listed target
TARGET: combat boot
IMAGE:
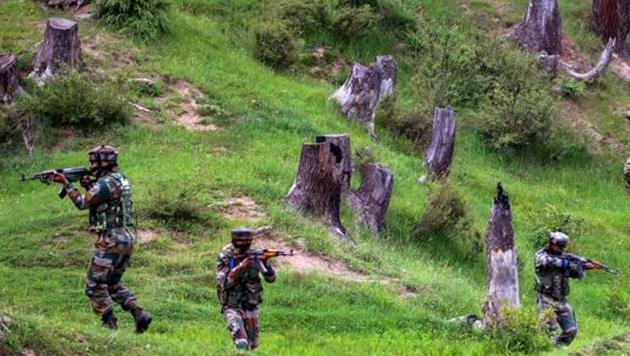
(109, 320)
(143, 320)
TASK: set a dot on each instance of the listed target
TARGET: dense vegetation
(267, 104)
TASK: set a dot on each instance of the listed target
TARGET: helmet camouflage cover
(103, 153)
(559, 238)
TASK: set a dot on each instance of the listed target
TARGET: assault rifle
(265, 254)
(583, 260)
(72, 174)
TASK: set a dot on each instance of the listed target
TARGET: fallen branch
(601, 66)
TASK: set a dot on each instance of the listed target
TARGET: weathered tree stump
(61, 46)
(371, 200)
(549, 63)
(390, 67)
(541, 31)
(626, 174)
(502, 261)
(361, 93)
(317, 188)
(439, 156)
(611, 19)
(343, 142)
(9, 78)
(601, 66)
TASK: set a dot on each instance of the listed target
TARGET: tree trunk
(341, 142)
(61, 46)
(626, 174)
(439, 156)
(371, 200)
(502, 261)
(390, 67)
(9, 78)
(317, 188)
(611, 19)
(541, 31)
(601, 66)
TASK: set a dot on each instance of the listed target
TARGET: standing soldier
(553, 270)
(109, 202)
(239, 288)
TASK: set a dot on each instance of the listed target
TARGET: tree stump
(61, 46)
(371, 200)
(541, 31)
(600, 67)
(502, 261)
(626, 174)
(611, 19)
(549, 63)
(9, 78)
(390, 67)
(317, 188)
(439, 156)
(342, 141)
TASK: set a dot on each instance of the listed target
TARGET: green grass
(44, 247)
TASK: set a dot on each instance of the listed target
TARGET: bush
(177, 210)
(554, 219)
(275, 46)
(572, 88)
(346, 22)
(448, 217)
(417, 125)
(74, 100)
(146, 19)
(522, 332)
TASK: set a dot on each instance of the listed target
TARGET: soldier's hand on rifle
(248, 262)
(86, 182)
(590, 265)
(60, 178)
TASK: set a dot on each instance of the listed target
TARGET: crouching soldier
(553, 269)
(108, 199)
(239, 287)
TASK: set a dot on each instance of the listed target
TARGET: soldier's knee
(241, 344)
(571, 334)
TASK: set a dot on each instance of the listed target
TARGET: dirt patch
(28, 352)
(621, 67)
(145, 236)
(145, 116)
(190, 117)
(242, 208)
(109, 50)
(596, 141)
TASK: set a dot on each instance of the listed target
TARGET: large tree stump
(600, 67)
(371, 200)
(9, 78)
(611, 19)
(317, 188)
(390, 67)
(439, 156)
(342, 141)
(541, 31)
(61, 46)
(502, 261)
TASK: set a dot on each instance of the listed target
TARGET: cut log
(371, 200)
(65, 4)
(317, 189)
(541, 31)
(611, 19)
(626, 174)
(61, 47)
(439, 156)
(502, 261)
(390, 67)
(342, 141)
(9, 78)
(601, 66)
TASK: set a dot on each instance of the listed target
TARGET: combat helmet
(243, 234)
(558, 238)
(103, 153)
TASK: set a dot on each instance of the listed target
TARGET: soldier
(108, 199)
(239, 288)
(553, 270)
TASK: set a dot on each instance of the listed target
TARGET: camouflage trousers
(558, 314)
(243, 326)
(110, 260)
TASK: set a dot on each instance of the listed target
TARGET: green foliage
(522, 332)
(180, 210)
(74, 100)
(275, 46)
(551, 218)
(145, 19)
(416, 125)
(347, 22)
(448, 217)
(147, 88)
(572, 88)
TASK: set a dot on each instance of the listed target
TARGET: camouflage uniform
(240, 292)
(553, 271)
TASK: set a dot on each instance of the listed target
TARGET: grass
(44, 246)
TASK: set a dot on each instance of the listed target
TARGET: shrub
(180, 211)
(146, 19)
(417, 125)
(74, 100)
(348, 22)
(572, 88)
(448, 217)
(274, 45)
(554, 219)
(521, 332)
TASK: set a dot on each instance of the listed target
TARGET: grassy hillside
(44, 246)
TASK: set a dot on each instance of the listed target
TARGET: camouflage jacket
(109, 202)
(241, 288)
(553, 272)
